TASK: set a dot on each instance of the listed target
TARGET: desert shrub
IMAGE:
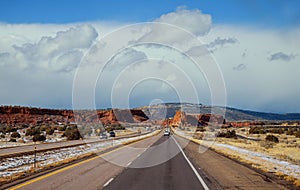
(297, 134)
(32, 131)
(15, 135)
(13, 140)
(43, 128)
(225, 126)
(257, 130)
(62, 128)
(38, 137)
(200, 128)
(198, 136)
(72, 133)
(227, 134)
(115, 126)
(290, 132)
(272, 138)
(276, 131)
(49, 131)
(7, 129)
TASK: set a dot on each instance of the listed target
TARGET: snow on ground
(13, 165)
(8, 145)
(271, 163)
(265, 161)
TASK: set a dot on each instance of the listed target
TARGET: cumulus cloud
(127, 57)
(192, 20)
(282, 56)
(36, 62)
(59, 53)
(67, 62)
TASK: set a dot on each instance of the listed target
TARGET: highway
(173, 173)
(155, 163)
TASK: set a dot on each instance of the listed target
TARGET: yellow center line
(69, 167)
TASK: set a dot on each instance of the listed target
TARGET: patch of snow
(13, 165)
(263, 159)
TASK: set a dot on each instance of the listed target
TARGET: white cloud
(127, 57)
(60, 47)
(37, 61)
(192, 20)
(260, 85)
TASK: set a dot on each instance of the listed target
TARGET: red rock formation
(26, 115)
(196, 119)
(179, 118)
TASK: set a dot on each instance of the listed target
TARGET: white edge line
(128, 163)
(110, 180)
(191, 165)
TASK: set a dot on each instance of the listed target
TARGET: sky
(51, 53)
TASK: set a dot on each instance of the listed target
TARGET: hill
(231, 114)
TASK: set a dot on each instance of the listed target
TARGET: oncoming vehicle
(112, 134)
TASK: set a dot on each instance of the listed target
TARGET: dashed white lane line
(107, 183)
(191, 165)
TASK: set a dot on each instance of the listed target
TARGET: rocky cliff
(14, 115)
(196, 119)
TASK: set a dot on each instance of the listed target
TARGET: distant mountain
(231, 114)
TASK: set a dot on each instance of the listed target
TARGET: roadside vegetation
(59, 132)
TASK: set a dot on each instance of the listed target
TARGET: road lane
(170, 173)
(156, 163)
(90, 174)
(221, 172)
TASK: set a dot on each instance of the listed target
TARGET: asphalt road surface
(174, 173)
(155, 163)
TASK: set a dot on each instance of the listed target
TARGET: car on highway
(167, 133)
(112, 134)
(103, 135)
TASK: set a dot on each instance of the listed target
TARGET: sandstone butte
(25, 115)
(14, 115)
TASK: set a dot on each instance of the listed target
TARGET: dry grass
(125, 132)
(287, 149)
